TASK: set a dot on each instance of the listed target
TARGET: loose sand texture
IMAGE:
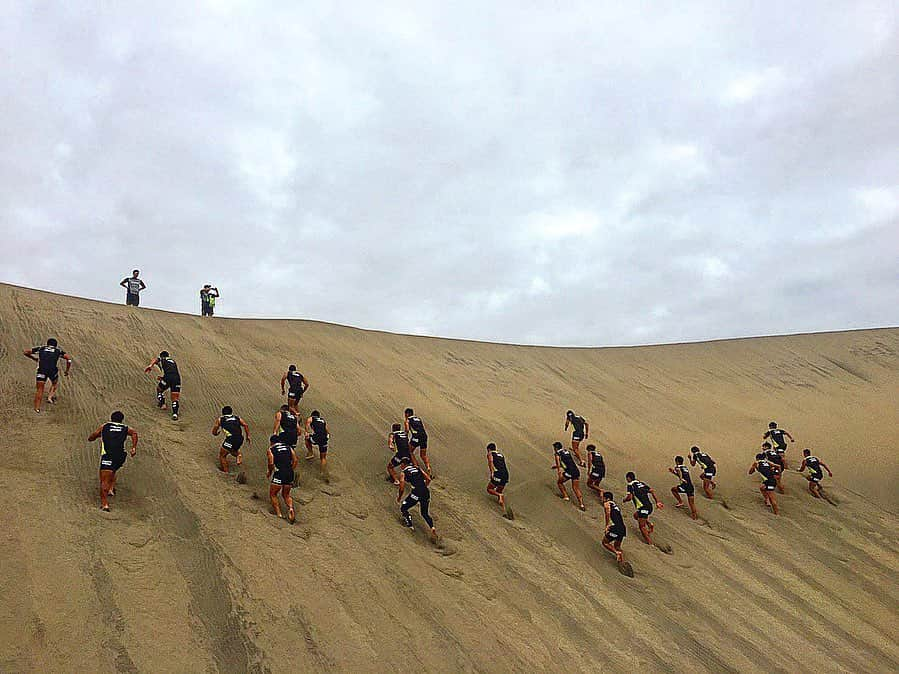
(191, 573)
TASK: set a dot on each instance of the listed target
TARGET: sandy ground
(190, 573)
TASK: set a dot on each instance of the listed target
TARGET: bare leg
(692, 503)
(562, 491)
(323, 456)
(273, 497)
(291, 513)
(38, 396)
(774, 503)
(392, 473)
(645, 530)
(223, 460)
(576, 488)
(594, 485)
(105, 479)
(706, 487)
(424, 457)
(51, 396)
(615, 549)
(677, 497)
(310, 453)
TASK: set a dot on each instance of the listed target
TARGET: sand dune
(190, 573)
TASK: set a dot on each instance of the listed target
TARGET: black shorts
(571, 474)
(686, 488)
(416, 497)
(644, 511)
(398, 459)
(418, 442)
(321, 443)
(132, 299)
(283, 478)
(615, 534)
(770, 484)
(780, 449)
(576, 437)
(175, 385)
(816, 477)
(112, 461)
(597, 473)
(289, 439)
(44, 376)
(709, 474)
(779, 461)
(232, 444)
(499, 479)
(294, 395)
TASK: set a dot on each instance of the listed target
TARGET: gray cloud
(587, 176)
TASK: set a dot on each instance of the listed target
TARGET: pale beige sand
(189, 573)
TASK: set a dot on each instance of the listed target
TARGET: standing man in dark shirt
(643, 496)
(580, 431)
(297, 385)
(420, 495)
(234, 428)
(133, 285)
(685, 487)
(169, 379)
(112, 453)
(567, 469)
(208, 295)
(816, 474)
(776, 435)
(418, 437)
(709, 469)
(47, 359)
(499, 474)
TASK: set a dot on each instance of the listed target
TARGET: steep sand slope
(189, 573)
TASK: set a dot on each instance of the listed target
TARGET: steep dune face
(190, 573)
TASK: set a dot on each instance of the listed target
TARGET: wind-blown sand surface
(190, 573)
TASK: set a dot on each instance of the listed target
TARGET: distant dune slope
(190, 573)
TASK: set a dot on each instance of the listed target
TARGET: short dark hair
(608, 495)
(491, 446)
(285, 408)
(135, 271)
(766, 445)
(315, 413)
(272, 439)
(806, 452)
(773, 424)
(557, 445)
(396, 427)
(759, 456)
(227, 410)
(678, 459)
(291, 368)
(694, 449)
(163, 354)
(630, 477)
(590, 448)
(569, 413)
(117, 417)
(409, 412)
(52, 342)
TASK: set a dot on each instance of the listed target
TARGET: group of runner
(405, 469)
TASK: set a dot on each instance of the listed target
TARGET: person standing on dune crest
(580, 431)
(709, 470)
(769, 472)
(47, 359)
(643, 497)
(112, 453)
(776, 435)
(133, 285)
(208, 295)
(567, 469)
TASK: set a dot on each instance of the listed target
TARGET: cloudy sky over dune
(563, 173)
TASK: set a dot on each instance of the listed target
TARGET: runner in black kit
(297, 385)
(776, 435)
(282, 464)
(596, 469)
(615, 529)
(112, 453)
(580, 431)
(47, 359)
(133, 285)
(777, 459)
(418, 437)
(499, 474)
(709, 470)
(769, 472)
(643, 497)
(567, 469)
(287, 427)
(169, 379)
(234, 428)
(317, 435)
(816, 474)
(685, 486)
(420, 495)
(398, 442)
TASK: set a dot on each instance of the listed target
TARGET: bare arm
(66, 357)
(607, 510)
(271, 463)
(406, 426)
(305, 383)
(802, 466)
(390, 444)
(150, 366)
(96, 434)
(789, 436)
(142, 284)
(246, 429)
(30, 355)
(577, 453)
(586, 429)
(293, 459)
(133, 434)
(277, 422)
(567, 422)
(752, 468)
(216, 427)
(656, 498)
(692, 460)
(124, 283)
(827, 468)
(283, 379)
(402, 487)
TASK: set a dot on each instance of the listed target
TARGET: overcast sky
(561, 173)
